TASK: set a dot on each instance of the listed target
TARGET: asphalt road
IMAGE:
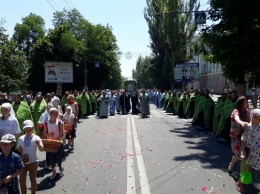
(158, 155)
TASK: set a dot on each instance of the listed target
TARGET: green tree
(171, 28)
(142, 72)
(28, 32)
(233, 39)
(100, 44)
(13, 64)
(58, 45)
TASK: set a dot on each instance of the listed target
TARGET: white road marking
(156, 114)
(131, 189)
(145, 187)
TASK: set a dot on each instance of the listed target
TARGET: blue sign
(200, 17)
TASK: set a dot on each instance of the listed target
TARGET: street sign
(200, 17)
(97, 64)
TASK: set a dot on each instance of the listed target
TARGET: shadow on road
(216, 153)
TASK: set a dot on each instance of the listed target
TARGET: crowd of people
(229, 117)
(26, 121)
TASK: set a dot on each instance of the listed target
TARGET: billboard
(58, 72)
(186, 72)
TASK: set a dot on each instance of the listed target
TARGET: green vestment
(184, 100)
(217, 113)
(204, 106)
(37, 109)
(229, 106)
(22, 113)
(169, 108)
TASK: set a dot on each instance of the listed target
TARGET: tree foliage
(170, 32)
(73, 39)
(142, 72)
(13, 64)
(27, 33)
(58, 45)
(233, 39)
(100, 44)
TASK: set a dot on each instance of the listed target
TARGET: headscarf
(55, 101)
(9, 107)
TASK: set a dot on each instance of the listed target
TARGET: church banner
(186, 72)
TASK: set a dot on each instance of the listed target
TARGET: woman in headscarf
(239, 122)
(8, 122)
(56, 103)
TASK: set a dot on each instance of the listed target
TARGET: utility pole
(85, 74)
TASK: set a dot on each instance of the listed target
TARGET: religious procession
(49, 123)
(230, 117)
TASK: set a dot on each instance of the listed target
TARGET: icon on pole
(200, 17)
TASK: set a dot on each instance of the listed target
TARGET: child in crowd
(27, 146)
(70, 120)
(11, 164)
(53, 129)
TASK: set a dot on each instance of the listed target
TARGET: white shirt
(9, 126)
(44, 117)
(54, 128)
(69, 118)
(28, 145)
(72, 107)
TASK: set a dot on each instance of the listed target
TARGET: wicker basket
(51, 145)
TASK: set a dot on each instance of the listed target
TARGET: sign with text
(58, 72)
(186, 72)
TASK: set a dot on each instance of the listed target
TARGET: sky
(125, 16)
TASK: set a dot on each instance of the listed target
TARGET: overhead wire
(68, 4)
(55, 4)
(51, 5)
(72, 4)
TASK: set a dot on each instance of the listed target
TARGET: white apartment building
(211, 75)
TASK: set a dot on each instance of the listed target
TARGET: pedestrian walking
(11, 165)
(28, 144)
(53, 129)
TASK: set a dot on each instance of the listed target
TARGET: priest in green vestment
(37, 107)
(203, 116)
(182, 105)
(85, 104)
(22, 110)
(175, 102)
(64, 100)
(223, 130)
(218, 110)
(169, 107)
(192, 104)
(167, 95)
(93, 101)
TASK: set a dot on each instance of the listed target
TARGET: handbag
(245, 175)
